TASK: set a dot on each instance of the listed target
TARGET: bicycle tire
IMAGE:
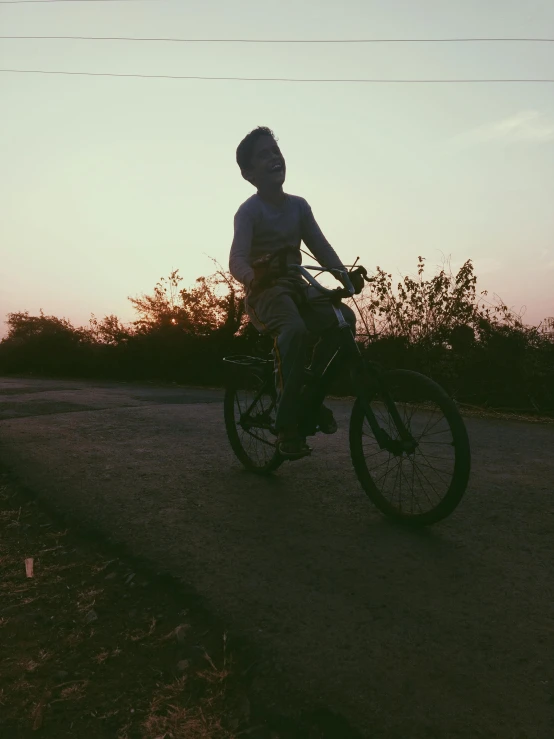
(272, 459)
(434, 394)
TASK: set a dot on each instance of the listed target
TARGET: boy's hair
(246, 146)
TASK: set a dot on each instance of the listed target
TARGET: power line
(281, 41)
(47, 2)
(273, 79)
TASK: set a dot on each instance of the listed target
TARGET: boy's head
(260, 159)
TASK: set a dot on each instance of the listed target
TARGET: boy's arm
(316, 242)
(239, 259)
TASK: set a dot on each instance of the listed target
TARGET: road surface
(445, 633)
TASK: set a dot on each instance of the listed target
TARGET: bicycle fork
(406, 442)
(359, 374)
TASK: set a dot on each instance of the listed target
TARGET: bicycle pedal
(291, 457)
(299, 456)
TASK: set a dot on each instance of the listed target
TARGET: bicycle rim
(426, 485)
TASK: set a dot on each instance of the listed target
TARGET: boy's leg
(275, 311)
(321, 319)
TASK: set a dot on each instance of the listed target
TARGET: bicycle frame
(348, 351)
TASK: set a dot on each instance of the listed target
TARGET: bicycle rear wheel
(425, 484)
(249, 411)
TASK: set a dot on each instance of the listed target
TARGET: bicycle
(406, 434)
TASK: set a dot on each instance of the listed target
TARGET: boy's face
(267, 166)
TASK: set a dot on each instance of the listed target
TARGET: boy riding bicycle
(283, 305)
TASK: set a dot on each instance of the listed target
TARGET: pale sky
(107, 184)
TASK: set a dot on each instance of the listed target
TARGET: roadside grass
(89, 647)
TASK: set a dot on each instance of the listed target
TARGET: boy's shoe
(326, 420)
(292, 446)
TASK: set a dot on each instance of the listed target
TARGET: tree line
(474, 345)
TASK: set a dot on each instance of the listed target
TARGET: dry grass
(503, 415)
(87, 652)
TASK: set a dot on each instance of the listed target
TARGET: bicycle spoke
(428, 428)
(428, 422)
(412, 492)
(413, 484)
(434, 456)
(259, 438)
(386, 461)
(413, 497)
(427, 480)
(414, 409)
(422, 487)
(436, 433)
(400, 486)
(383, 477)
(379, 451)
(429, 465)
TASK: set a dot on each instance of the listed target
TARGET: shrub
(481, 352)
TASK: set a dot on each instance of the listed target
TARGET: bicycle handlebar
(346, 292)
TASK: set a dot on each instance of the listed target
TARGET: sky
(108, 184)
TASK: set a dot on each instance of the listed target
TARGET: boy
(285, 307)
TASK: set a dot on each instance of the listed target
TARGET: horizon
(113, 183)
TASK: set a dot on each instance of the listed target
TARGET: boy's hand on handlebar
(344, 278)
(358, 278)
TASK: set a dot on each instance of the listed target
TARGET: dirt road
(445, 633)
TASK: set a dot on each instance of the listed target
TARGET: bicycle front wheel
(425, 483)
(249, 410)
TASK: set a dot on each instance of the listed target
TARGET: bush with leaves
(44, 345)
(480, 351)
(213, 305)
